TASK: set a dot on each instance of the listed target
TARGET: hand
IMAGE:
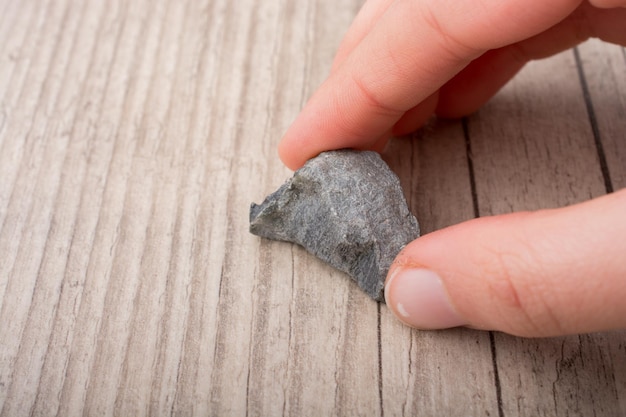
(533, 274)
(544, 273)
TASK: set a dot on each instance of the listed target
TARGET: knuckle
(450, 40)
(369, 95)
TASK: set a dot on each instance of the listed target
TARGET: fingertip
(418, 298)
(305, 138)
(286, 154)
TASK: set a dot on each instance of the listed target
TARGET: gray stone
(347, 208)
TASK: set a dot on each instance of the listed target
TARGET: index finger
(415, 47)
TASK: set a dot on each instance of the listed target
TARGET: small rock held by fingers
(347, 208)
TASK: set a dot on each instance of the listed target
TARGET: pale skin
(545, 273)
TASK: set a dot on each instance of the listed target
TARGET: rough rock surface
(345, 207)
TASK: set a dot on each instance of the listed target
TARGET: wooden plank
(17, 23)
(133, 136)
(535, 150)
(36, 153)
(322, 359)
(425, 372)
(532, 149)
(604, 69)
(20, 156)
(57, 212)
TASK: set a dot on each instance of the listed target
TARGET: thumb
(545, 273)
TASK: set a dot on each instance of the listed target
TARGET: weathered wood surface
(133, 136)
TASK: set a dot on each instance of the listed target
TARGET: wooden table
(133, 137)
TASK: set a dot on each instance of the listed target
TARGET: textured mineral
(347, 208)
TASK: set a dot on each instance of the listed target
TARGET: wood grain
(417, 366)
(133, 137)
(545, 156)
(604, 82)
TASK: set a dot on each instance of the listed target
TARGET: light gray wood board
(452, 371)
(133, 136)
(604, 69)
(533, 147)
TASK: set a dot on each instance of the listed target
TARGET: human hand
(533, 274)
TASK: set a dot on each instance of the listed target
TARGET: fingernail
(418, 298)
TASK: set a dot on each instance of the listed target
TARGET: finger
(607, 24)
(545, 273)
(479, 81)
(608, 3)
(381, 144)
(484, 77)
(416, 117)
(367, 17)
(397, 65)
